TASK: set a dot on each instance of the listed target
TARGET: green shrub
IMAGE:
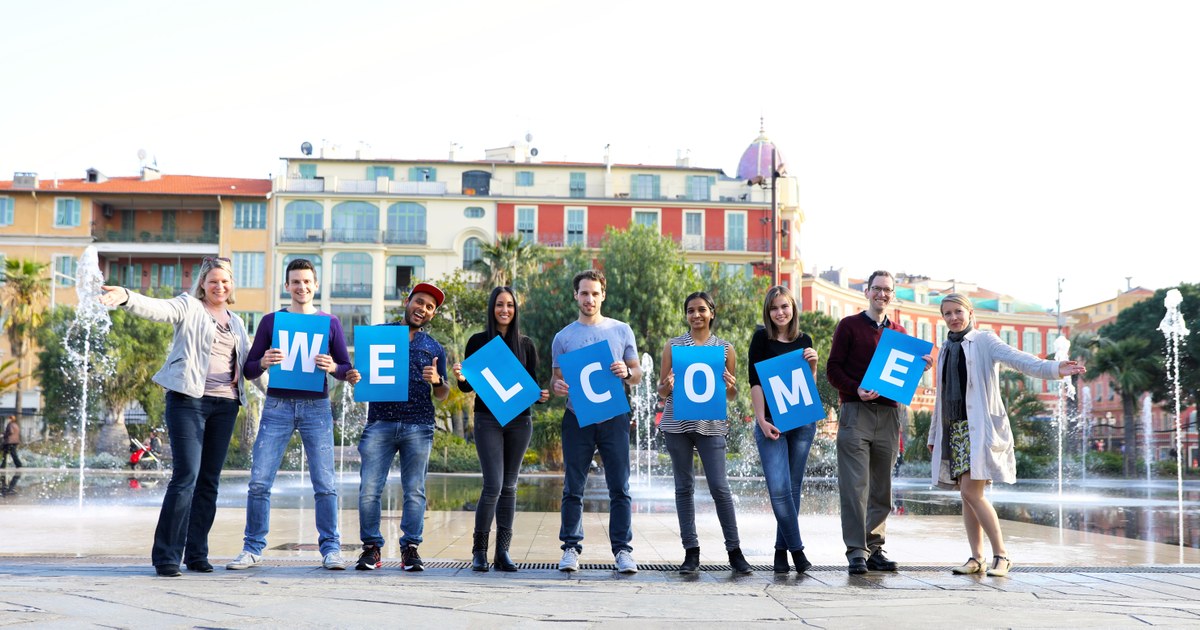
(452, 454)
(1105, 463)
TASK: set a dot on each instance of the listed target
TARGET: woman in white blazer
(970, 435)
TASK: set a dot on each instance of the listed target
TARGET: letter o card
(790, 391)
(896, 367)
(381, 358)
(500, 380)
(595, 393)
(302, 338)
(699, 392)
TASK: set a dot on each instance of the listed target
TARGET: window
(351, 275)
(315, 259)
(644, 187)
(693, 230)
(170, 276)
(473, 212)
(6, 210)
(472, 252)
(381, 171)
(250, 319)
(303, 221)
(524, 178)
(66, 265)
(402, 273)
(249, 216)
(578, 185)
(733, 270)
(210, 232)
(355, 222)
(925, 331)
(648, 218)
(66, 212)
(1009, 337)
(575, 226)
(130, 274)
(1051, 337)
(308, 171)
(351, 315)
(1032, 343)
(249, 270)
(405, 224)
(168, 225)
(942, 331)
(735, 231)
(422, 174)
(698, 187)
(527, 224)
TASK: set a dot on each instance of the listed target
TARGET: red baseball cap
(425, 287)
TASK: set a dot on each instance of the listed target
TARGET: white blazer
(992, 454)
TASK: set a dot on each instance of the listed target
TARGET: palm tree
(23, 297)
(509, 261)
(1129, 365)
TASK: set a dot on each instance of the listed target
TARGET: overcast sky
(1005, 143)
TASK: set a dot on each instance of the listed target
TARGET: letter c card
(595, 393)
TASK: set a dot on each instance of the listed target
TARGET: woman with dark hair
(501, 448)
(205, 385)
(784, 454)
(685, 437)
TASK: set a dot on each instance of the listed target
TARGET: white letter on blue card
(378, 363)
(504, 393)
(790, 396)
(689, 382)
(307, 352)
(892, 367)
(585, 381)
(480, 370)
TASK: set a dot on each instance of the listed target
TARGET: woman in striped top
(685, 437)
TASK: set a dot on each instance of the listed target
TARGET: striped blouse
(704, 427)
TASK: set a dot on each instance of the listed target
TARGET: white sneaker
(334, 561)
(570, 560)
(625, 563)
(245, 560)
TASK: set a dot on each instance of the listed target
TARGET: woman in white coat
(970, 435)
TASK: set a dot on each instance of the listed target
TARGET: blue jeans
(783, 462)
(281, 417)
(199, 430)
(579, 445)
(380, 442)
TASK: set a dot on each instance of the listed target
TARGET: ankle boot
(738, 563)
(781, 561)
(691, 560)
(502, 560)
(801, 561)
(479, 552)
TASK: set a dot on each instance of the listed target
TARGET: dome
(756, 159)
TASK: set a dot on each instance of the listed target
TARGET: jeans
(712, 456)
(10, 449)
(783, 462)
(867, 442)
(199, 430)
(281, 417)
(579, 445)
(501, 450)
(380, 442)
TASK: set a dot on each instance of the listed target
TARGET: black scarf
(954, 379)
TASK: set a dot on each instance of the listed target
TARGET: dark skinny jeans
(712, 457)
(501, 450)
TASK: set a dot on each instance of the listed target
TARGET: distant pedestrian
(12, 439)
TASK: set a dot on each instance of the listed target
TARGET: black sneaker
(410, 560)
(880, 562)
(369, 559)
(858, 566)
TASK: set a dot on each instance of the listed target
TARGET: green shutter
(655, 188)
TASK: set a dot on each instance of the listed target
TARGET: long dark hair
(513, 337)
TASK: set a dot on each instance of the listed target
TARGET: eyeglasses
(216, 260)
(882, 290)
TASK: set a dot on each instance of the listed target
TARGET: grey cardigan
(187, 363)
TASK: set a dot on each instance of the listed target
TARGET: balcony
(727, 244)
(356, 186)
(396, 293)
(405, 237)
(351, 290)
(570, 239)
(691, 242)
(158, 236)
(417, 188)
(301, 235)
(295, 184)
(354, 235)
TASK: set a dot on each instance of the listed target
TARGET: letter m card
(595, 393)
(301, 338)
(896, 368)
(699, 382)
(381, 358)
(500, 380)
(790, 391)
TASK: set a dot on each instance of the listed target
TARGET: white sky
(1005, 143)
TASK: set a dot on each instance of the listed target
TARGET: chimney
(24, 181)
(150, 173)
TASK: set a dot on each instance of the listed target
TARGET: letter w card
(381, 358)
(595, 393)
(790, 391)
(500, 380)
(302, 338)
(896, 368)
(699, 382)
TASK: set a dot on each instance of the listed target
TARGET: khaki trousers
(867, 443)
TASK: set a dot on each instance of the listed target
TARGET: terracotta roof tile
(165, 185)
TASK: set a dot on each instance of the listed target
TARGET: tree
(1023, 406)
(136, 348)
(23, 297)
(1130, 367)
(548, 304)
(463, 314)
(510, 261)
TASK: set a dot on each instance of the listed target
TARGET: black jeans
(10, 449)
(199, 430)
(712, 456)
(501, 450)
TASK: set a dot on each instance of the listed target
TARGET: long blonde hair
(208, 264)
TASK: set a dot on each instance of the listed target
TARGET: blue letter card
(302, 338)
(896, 368)
(381, 357)
(596, 394)
(500, 380)
(699, 382)
(789, 390)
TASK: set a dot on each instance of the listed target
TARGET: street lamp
(761, 181)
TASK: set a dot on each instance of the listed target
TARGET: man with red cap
(405, 428)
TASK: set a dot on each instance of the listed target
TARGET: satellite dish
(528, 137)
(533, 152)
(306, 148)
(141, 155)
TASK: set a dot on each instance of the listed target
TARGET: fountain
(1174, 328)
(1085, 419)
(87, 332)
(1062, 352)
(1147, 431)
(644, 406)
